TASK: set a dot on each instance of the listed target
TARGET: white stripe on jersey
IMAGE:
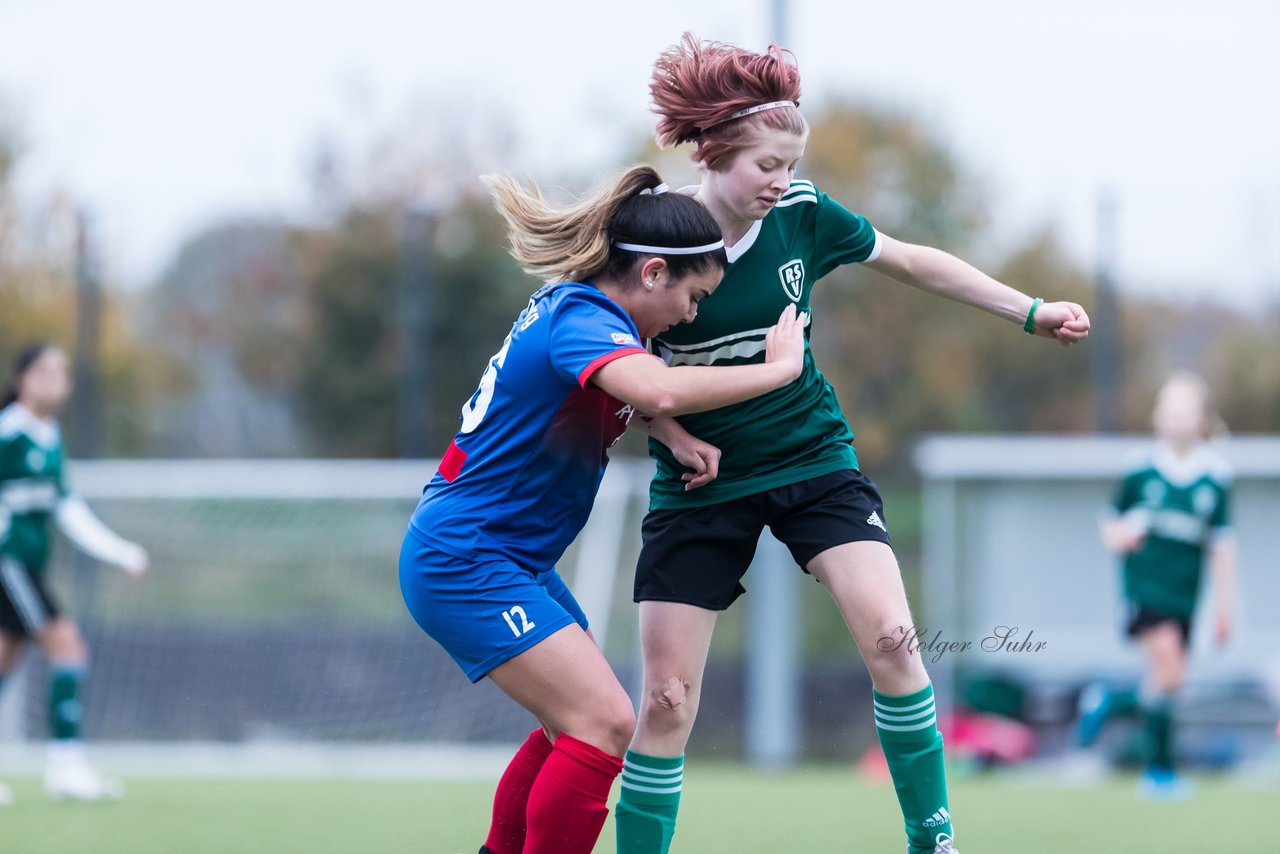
(787, 201)
(29, 494)
(16, 418)
(875, 250)
(714, 341)
(742, 349)
(20, 589)
(731, 347)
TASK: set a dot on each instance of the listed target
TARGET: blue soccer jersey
(518, 480)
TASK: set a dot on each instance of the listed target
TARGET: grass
(725, 809)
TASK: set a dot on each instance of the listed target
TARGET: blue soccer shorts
(482, 613)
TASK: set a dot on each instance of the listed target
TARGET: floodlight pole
(84, 416)
(772, 713)
(1106, 344)
(414, 299)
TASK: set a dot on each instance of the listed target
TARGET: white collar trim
(744, 243)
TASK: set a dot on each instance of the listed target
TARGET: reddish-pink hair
(697, 86)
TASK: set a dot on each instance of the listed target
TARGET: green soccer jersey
(793, 433)
(31, 484)
(1183, 505)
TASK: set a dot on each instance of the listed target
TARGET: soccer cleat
(942, 845)
(945, 845)
(1095, 707)
(1163, 784)
(6, 796)
(80, 781)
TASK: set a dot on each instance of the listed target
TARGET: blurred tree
(906, 363)
(227, 313)
(284, 338)
(37, 303)
(351, 357)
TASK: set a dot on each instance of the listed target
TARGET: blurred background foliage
(266, 337)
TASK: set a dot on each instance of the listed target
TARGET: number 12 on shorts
(525, 624)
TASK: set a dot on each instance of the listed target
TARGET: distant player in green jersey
(785, 459)
(33, 493)
(1170, 513)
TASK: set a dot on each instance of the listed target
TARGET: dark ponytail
(664, 219)
(27, 357)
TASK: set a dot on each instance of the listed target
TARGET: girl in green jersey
(786, 459)
(1170, 516)
(33, 495)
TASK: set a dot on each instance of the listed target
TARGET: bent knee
(892, 650)
(670, 705)
(607, 722)
(62, 641)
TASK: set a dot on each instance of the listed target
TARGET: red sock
(511, 801)
(567, 805)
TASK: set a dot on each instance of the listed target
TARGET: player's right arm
(1121, 535)
(653, 388)
(1123, 524)
(689, 450)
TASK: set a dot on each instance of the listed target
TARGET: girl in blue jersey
(516, 484)
(788, 460)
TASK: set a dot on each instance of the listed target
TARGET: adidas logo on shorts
(874, 519)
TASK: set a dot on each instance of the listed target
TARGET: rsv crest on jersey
(792, 276)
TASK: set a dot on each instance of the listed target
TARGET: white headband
(772, 105)
(671, 250)
(654, 191)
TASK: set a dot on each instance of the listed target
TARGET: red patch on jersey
(451, 464)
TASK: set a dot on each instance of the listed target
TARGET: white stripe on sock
(900, 709)
(649, 769)
(657, 790)
(635, 777)
(924, 725)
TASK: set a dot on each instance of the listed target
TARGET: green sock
(645, 816)
(1157, 731)
(64, 700)
(912, 745)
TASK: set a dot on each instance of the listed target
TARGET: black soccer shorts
(698, 555)
(25, 603)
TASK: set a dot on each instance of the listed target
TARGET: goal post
(272, 614)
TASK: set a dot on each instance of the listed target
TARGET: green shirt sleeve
(1127, 492)
(840, 236)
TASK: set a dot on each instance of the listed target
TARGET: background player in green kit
(1170, 512)
(33, 493)
(785, 459)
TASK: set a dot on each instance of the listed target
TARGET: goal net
(272, 610)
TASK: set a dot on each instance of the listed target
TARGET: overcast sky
(164, 116)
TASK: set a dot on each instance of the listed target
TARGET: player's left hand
(1065, 321)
